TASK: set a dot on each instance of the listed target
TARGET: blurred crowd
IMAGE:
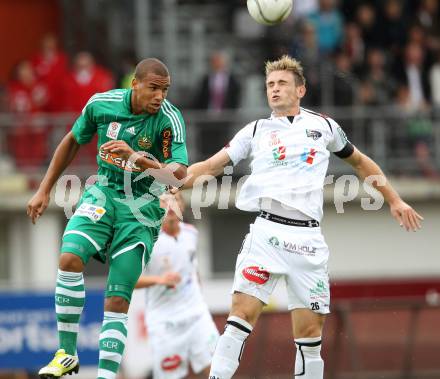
(46, 82)
(355, 52)
(49, 82)
(380, 53)
(377, 52)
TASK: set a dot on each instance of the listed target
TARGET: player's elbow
(356, 160)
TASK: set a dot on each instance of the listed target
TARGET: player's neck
(286, 112)
(135, 108)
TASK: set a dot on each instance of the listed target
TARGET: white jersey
(289, 160)
(175, 254)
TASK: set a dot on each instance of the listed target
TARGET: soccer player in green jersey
(141, 149)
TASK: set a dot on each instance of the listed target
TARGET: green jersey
(159, 136)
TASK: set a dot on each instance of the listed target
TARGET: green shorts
(106, 225)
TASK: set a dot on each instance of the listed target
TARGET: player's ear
(134, 83)
(301, 91)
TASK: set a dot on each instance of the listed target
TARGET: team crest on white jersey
(113, 130)
(314, 134)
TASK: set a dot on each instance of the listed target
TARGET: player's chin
(153, 108)
(275, 102)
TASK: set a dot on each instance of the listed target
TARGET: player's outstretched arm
(401, 211)
(169, 279)
(64, 154)
(212, 166)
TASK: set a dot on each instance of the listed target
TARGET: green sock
(111, 344)
(69, 303)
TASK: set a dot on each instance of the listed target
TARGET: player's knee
(116, 304)
(247, 311)
(308, 331)
(71, 263)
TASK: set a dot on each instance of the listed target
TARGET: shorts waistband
(288, 221)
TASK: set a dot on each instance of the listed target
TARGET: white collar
(298, 116)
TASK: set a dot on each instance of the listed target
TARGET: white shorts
(177, 344)
(298, 254)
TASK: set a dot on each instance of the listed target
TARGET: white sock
(229, 348)
(308, 363)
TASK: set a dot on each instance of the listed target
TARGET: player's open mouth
(274, 98)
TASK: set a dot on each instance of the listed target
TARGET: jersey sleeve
(238, 148)
(84, 127)
(339, 143)
(173, 137)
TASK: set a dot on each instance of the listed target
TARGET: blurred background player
(109, 223)
(290, 152)
(180, 326)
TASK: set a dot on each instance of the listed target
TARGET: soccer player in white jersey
(290, 153)
(180, 326)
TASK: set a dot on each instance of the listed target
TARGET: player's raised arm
(401, 211)
(64, 154)
(365, 168)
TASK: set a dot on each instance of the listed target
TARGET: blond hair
(287, 63)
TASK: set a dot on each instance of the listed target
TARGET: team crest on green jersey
(144, 142)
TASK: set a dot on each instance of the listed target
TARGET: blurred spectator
(328, 24)
(86, 79)
(434, 80)
(305, 48)
(417, 35)
(412, 73)
(28, 140)
(219, 88)
(50, 65)
(367, 93)
(366, 19)
(354, 45)
(377, 85)
(344, 81)
(428, 17)
(25, 92)
(419, 130)
(393, 26)
(305, 8)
